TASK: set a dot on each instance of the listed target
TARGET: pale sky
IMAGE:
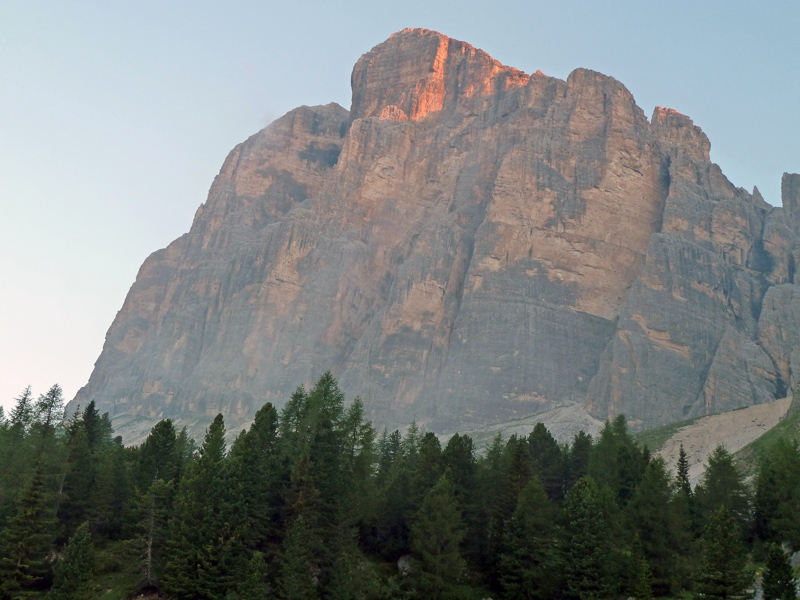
(116, 116)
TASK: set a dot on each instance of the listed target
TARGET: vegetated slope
(787, 429)
(467, 245)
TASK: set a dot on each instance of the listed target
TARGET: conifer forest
(311, 502)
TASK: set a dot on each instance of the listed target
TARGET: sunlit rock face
(467, 244)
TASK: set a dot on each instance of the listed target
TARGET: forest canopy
(311, 502)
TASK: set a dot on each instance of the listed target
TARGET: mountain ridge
(468, 244)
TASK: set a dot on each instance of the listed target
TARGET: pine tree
(153, 509)
(49, 409)
(202, 547)
(21, 415)
(547, 461)
(642, 584)
(158, 456)
(587, 569)
(26, 540)
(721, 574)
(76, 568)
(259, 475)
(723, 485)
(682, 475)
(254, 585)
(777, 496)
(425, 470)
(529, 563)
(650, 519)
(682, 518)
(778, 581)
(298, 574)
(578, 459)
(435, 539)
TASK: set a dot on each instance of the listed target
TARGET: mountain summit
(468, 244)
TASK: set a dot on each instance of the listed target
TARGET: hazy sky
(115, 117)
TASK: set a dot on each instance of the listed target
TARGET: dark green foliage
(202, 545)
(74, 572)
(682, 474)
(777, 495)
(642, 583)
(153, 508)
(529, 564)
(309, 504)
(26, 540)
(158, 456)
(578, 459)
(587, 569)
(254, 585)
(778, 581)
(721, 574)
(649, 517)
(616, 460)
(723, 485)
(299, 572)
(547, 461)
(435, 538)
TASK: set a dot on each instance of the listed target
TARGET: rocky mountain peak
(467, 245)
(419, 72)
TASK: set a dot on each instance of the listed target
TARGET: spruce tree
(547, 461)
(202, 546)
(587, 568)
(578, 459)
(721, 574)
(26, 540)
(642, 581)
(298, 574)
(75, 570)
(21, 415)
(777, 495)
(254, 584)
(158, 456)
(435, 538)
(649, 517)
(778, 581)
(723, 485)
(153, 509)
(682, 475)
(529, 564)
(260, 478)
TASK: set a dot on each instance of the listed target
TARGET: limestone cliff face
(467, 244)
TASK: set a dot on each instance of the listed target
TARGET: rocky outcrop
(468, 244)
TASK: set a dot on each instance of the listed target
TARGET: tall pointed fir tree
(26, 541)
(587, 549)
(721, 574)
(778, 581)
(298, 575)
(642, 576)
(529, 564)
(255, 466)
(547, 461)
(201, 543)
(723, 485)
(75, 570)
(649, 517)
(777, 494)
(435, 539)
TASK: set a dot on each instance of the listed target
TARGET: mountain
(468, 244)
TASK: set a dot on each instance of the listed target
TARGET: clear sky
(115, 117)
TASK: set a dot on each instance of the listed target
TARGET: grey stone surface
(467, 245)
